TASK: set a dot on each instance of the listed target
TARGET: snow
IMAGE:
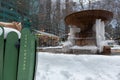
(116, 47)
(49, 47)
(92, 48)
(77, 67)
(8, 30)
(67, 45)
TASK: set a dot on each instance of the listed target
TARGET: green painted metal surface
(32, 55)
(1, 52)
(11, 57)
(26, 63)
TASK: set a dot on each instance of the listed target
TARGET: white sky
(76, 0)
(84, 0)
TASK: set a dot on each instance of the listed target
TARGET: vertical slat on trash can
(11, 57)
(26, 56)
(1, 52)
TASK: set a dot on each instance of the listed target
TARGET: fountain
(87, 28)
(87, 33)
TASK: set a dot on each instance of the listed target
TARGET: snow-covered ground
(77, 67)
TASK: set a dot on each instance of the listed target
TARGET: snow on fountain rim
(87, 47)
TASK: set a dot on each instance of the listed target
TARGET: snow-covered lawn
(77, 67)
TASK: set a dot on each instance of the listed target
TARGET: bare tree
(81, 4)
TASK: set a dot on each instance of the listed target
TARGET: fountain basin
(86, 19)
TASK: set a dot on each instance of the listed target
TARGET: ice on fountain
(73, 30)
(71, 38)
(103, 30)
(66, 46)
(100, 34)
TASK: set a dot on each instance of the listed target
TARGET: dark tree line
(48, 15)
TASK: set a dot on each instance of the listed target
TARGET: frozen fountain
(87, 31)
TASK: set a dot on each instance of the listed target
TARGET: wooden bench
(17, 56)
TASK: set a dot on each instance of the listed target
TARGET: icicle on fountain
(87, 31)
